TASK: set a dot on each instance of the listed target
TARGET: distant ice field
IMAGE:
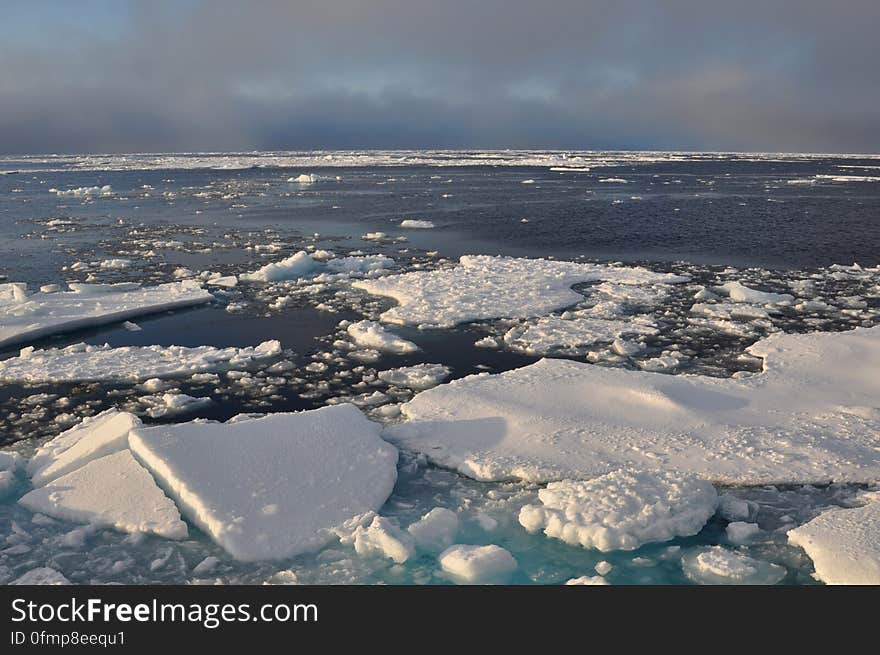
(320, 284)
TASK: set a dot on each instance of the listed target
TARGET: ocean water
(769, 221)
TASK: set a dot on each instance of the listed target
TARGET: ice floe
(587, 580)
(303, 264)
(844, 544)
(94, 437)
(43, 575)
(417, 377)
(272, 487)
(467, 564)
(128, 363)
(26, 317)
(113, 491)
(416, 224)
(384, 538)
(482, 287)
(370, 334)
(622, 510)
(550, 333)
(810, 416)
(436, 530)
(719, 566)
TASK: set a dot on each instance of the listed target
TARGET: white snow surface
(812, 415)
(483, 287)
(127, 363)
(272, 487)
(94, 437)
(27, 317)
(113, 491)
(465, 564)
(622, 510)
(844, 544)
(370, 334)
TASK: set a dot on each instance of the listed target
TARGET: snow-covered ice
(587, 580)
(717, 565)
(416, 224)
(467, 564)
(113, 491)
(844, 544)
(810, 416)
(385, 539)
(295, 266)
(90, 439)
(43, 575)
(128, 363)
(436, 530)
(272, 487)
(483, 287)
(370, 334)
(418, 377)
(738, 292)
(544, 335)
(622, 510)
(27, 317)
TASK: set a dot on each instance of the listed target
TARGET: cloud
(774, 75)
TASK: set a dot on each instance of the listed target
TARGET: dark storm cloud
(774, 75)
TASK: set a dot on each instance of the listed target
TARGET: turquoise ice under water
(487, 515)
(711, 210)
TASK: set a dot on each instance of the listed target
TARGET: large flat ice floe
(127, 363)
(844, 544)
(812, 415)
(113, 491)
(26, 317)
(483, 287)
(622, 510)
(94, 437)
(272, 487)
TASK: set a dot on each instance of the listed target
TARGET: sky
(211, 75)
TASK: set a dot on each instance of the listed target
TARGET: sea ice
(483, 287)
(383, 538)
(550, 333)
(844, 544)
(436, 530)
(94, 437)
(622, 510)
(43, 575)
(295, 266)
(27, 317)
(416, 224)
(587, 580)
(272, 487)
(127, 363)
(113, 491)
(719, 566)
(738, 292)
(418, 377)
(811, 416)
(466, 564)
(370, 334)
